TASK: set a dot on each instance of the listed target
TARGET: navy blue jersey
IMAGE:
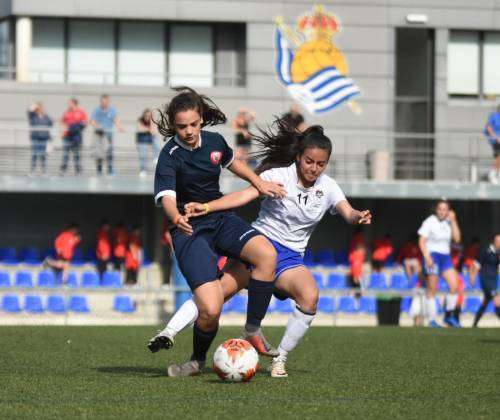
(192, 174)
(489, 261)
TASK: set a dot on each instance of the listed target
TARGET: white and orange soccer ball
(236, 360)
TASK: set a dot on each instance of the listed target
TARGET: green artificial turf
(105, 372)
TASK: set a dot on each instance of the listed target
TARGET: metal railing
(356, 155)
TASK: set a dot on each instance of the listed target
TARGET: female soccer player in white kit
(296, 160)
(436, 234)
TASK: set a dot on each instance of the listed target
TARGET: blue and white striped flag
(321, 92)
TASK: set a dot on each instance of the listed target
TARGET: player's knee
(266, 260)
(308, 300)
(209, 316)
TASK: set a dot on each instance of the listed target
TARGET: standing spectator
(40, 124)
(294, 118)
(103, 248)
(357, 258)
(65, 245)
(145, 139)
(410, 258)
(382, 250)
(492, 131)
(133, 257)
(471, 254)
(104, 119)
(74, 121)
(120, 240)
(242, 137)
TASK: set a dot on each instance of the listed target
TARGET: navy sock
(201, 343)
(259, 297)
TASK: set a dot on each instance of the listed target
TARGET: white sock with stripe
(184, 317)
(297, 326)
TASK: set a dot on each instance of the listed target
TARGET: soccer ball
(236, 360)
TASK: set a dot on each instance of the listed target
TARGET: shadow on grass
(133, 371)
(489, 341)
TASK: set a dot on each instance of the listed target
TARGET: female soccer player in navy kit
(296, 160)
(188, 169)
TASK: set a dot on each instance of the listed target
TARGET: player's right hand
(182, 223)
(271, 189)
(429, 262)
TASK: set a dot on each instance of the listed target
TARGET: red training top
(409, 250)
(77, 116)
(382, 249)
(66, 243)
(133, 254)
(103, 247)
(120, 237)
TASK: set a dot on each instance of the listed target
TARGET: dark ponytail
(185, 100)
(281, 143)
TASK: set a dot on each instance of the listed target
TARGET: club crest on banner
(310, 66)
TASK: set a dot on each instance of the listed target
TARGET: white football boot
(190, 368)
(278, 369)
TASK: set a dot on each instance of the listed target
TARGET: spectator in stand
(133, 257)
(65, 245)
(145, 139)
(74, 121)
(492, 131)
(382, 250)
(40, 124)
(471, 254)
(103, 247)
(294, 118)
(488, 264)
(357, 257)
(120, 241)
(242, 137)
(410, 258)
(104, 119)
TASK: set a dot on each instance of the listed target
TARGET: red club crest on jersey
(215, 157)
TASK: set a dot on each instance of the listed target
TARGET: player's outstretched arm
(267, 188)
(353, 216)
(229, 201)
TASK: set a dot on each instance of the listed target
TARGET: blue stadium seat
(123, 304)
(309, 259)
(337, 281)
(24, 279)
(8, 255)
(78, 257)
(325, 257)
(71, 280)
(440, 305)
(30, 255)
(347, 304)
(90, 279)
(326, 304)
(4, 279)
(342, 257)
(442, 285)
(90, 256)
(55, 304)
(50, 252)
(111, 279)
(413, 281)
(368, 304)
(318, 277)
(46, 279)
(490, 308)
(472, 304)
(181, 297)
(405, 304)
(377, 281)
(399, 281)
(238, 303)
(33, 304)
(283, 306)
(10, 303)
(78, 304)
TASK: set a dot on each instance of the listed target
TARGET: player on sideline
(488, 264)
(188, 169)
(296, 160)
(436, 234)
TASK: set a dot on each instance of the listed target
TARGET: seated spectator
(120, 241)
(471, 254)
(133, 257)
(74, 121)
(242, 137)
(410, 257)
(492, 131)
(294, 118)
(357, 257)
(40, 124)
(145, 140)
(103, 248)
(382, 250)
(65, 245)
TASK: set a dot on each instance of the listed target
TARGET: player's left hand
(195, 209)
(271, 189)
(365, 217)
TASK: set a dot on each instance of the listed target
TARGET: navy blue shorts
(489, 285)
(221, 233)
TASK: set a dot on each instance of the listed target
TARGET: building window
(6, 50)
(473, 62)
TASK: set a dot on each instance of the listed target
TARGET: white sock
(184, 317)
(451, 301)
(430, 308)
(297, 326)
(415, 306)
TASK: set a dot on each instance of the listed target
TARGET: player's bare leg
(450, 276)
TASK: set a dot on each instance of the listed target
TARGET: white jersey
(291, 220)
(438, 234)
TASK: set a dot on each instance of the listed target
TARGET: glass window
(491, 63)
(91, 52)
(47, 51)
(463, 63)
(6, 62)
(191, 57)
(141, 55)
